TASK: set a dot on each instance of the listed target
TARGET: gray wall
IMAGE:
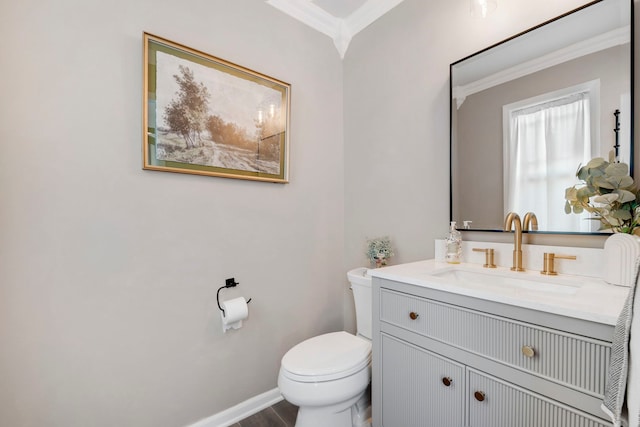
(108, 273)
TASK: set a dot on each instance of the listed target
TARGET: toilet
(328, 376)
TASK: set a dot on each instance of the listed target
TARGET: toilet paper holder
(228, 283)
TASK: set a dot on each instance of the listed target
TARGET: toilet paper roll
(235, 311)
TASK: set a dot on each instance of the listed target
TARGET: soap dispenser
(454, 245)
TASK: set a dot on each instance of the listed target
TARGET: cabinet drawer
(575, 361)
(495, 403)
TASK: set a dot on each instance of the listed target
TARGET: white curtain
(547, 143)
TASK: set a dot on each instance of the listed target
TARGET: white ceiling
(338, 19)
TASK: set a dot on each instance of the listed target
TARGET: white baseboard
(241, 410)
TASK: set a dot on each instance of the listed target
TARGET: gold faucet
(517, 239)
(530, 222)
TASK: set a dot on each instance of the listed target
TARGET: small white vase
(621, 253)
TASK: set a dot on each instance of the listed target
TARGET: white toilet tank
(362, 293)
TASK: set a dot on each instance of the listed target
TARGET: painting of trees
(187, 114)
(207, 116)
(228, 133)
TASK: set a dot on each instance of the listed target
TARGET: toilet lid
(327, 357)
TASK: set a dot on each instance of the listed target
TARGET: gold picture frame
(207, 116)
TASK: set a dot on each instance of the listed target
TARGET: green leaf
(606, 199)
(620, 181)
(617, 169)
(603, 182)
(567, 207)
(596, 162)
(624, 196)
(582, 173)
(594, 172)
(625, 182)
(584, 193)
(577, 209)
(571, 193)
(621, 214)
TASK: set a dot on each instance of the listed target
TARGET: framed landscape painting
(207, 116)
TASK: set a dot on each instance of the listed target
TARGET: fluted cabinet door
(419, 388)
(495, 403)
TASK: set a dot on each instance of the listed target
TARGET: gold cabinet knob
(447, 381)
(528, 351)
(413, 315)
(479, 396)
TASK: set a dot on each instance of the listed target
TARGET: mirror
(527, 111)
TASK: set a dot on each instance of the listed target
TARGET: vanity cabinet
(442, 359)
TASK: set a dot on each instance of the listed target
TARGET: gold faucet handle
(488, 259)
(549, 267)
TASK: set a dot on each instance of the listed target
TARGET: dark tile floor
(282, 414)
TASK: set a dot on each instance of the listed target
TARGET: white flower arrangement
(609, 193)
(379, 250)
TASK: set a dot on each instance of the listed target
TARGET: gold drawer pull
(528, 351)
(413, 315)
(479, 396)
(447, 381)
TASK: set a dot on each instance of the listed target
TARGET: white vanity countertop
(593, 299)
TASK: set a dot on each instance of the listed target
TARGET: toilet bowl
(325, 376)
(328, 376)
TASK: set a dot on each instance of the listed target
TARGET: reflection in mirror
(526, 112)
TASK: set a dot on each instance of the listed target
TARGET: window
(545, 139)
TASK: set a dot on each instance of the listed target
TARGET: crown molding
(607, 40)
(342, 38)
(309, 14)
(340, 30)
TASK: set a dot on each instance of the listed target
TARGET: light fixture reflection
(481, 8)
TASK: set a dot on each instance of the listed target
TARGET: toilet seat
(327, 357)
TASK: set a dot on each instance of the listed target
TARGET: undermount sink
(501, 279)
